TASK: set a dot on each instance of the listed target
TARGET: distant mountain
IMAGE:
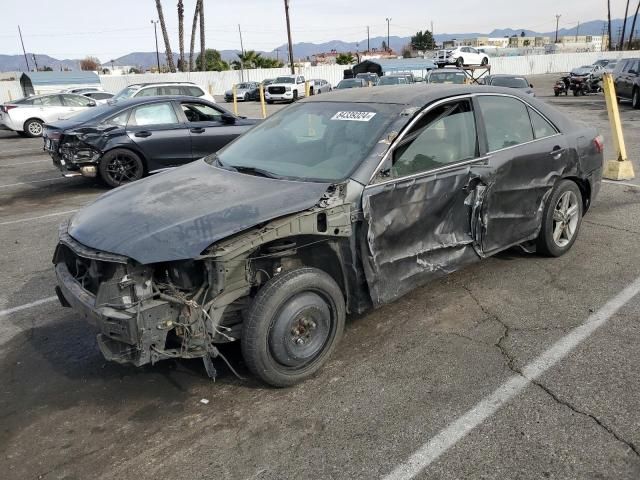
(306, 50)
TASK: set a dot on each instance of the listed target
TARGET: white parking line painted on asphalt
(456, 431)
(23, 163)
(35, 181)
(624, 184)
(9, 311)
(11, 222)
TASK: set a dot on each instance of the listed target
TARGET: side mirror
(228, 119)
(531, 85)
(92, 103)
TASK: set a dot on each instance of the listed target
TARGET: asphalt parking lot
(399, 395)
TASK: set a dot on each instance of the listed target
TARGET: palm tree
(633, 26)
(194, 25)
(624, 26)
(181, 34)
(609, 22)
(165, 34)
(202, 49)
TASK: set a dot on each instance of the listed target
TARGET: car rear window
(507, 121)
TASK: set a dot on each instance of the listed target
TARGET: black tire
(440, 65)
(635, 98)
(270, 102)
(245, 98)
(120, 166)
(275, 328)
(460, 62)
(576, 92)
(295, 96)
(547, 244)
(33, 128)
(484, 62)
(557, 93)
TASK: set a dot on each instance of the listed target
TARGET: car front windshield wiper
(243, 169)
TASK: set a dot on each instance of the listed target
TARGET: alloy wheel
(35, 128)
(565, 218)
(122, 168)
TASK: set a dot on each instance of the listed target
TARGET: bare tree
(624, 26)
(181, 65)
(194, 25)
(90, 64)
(609, 23)
(165, 35)
(633, 27)
(202, 43)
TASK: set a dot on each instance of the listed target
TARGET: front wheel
(561, 219)
(120, 166)
(292, 326)
(635, 99)
(295, 96)
(460, 62)
(484, 62)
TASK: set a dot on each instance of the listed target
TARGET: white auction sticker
(354, 116)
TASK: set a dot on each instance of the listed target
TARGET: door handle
(557, 152)
(143, 134)
(197, 130)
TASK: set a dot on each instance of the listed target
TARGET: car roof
(128, 102)
(148, 84)
(506, 75)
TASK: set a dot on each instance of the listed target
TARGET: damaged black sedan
(124, 140)
(333, 206)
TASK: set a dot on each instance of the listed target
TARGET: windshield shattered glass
(319, 141)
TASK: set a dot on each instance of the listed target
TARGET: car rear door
(163, 139)
(527, 156)
(209, 133)
(416, 208)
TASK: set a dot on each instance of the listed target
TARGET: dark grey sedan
(123, 140)
(335, 205)
(511, 81)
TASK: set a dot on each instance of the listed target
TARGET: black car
(122, 141)
(627, 80)
(335, 205)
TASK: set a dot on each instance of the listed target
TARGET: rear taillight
(6, 108)
(598, 142)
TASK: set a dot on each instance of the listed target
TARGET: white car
(288, 88)
(319, 86)
(460, 57)
(27, 115)
(187, 89)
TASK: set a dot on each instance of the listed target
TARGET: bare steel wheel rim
(122, 168)
(35, 128)
(566, 215)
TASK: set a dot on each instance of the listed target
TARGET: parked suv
(461, 56)
(186, 89)
(286, 87)
(627, 80)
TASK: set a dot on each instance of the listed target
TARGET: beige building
(524, 42)
(596, 43)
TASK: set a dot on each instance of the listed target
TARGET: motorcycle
(584, 85)
(562, 86)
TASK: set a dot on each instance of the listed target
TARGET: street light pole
(155, 31)
(557, 25)
(286, 12)
(388, 38)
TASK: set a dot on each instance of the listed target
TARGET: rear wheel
(484, 61)
(293, 326)
(33, 128)
(561, 220)
(460, 62)
(120, 166)
(246, 97)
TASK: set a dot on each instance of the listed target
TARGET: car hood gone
(176, 215)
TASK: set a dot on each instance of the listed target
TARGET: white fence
(217, 82)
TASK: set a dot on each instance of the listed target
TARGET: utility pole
(433, 35)
(577, 30)
(619, 44)
(23, 50)
(242, 57)
(368, 40)
(155, 31)
(388, 46)
(286, 13)
(557, 25)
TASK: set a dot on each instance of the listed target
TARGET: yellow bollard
(621, 167)
(262, 102)
(235, 100)
(307, 88)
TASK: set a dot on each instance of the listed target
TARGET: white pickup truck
(287, 88)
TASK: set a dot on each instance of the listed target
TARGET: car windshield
(389, 81)
(125, 93)
(315, 141)
(244, 86)
(351, 83)
(447, 77)
(285, 80)
(510, 82)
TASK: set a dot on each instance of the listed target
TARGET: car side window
(200, 112)
(154, 114)
(506, 120)
(541, 126)
(119, 120)
(148, 92)
(443, 136)
(75, 101)
(48, 101)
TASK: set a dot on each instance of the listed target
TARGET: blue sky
(111, 28)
